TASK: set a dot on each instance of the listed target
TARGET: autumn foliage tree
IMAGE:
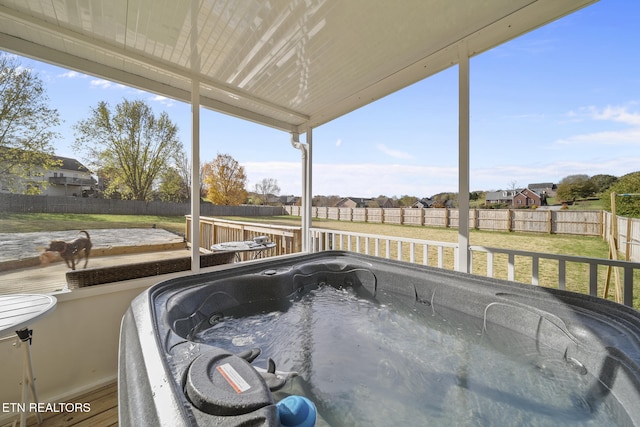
(130, 142)
(224, 181)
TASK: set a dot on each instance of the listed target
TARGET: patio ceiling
(288, 64)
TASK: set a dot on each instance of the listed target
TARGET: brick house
(527, 198)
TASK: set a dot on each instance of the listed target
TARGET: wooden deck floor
(103, 411)
(51, 278)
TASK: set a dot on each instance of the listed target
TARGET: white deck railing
(598, 271)
(385, 246)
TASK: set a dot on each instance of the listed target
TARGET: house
(544, 188)
(516, 198)
(68, 178)
(501, 196)
(423, 203)
(527, 198)
(289, 200)
(354, 202)
(385, 202)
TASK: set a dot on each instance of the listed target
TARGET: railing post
(593, 279)
(562, 274)
(627, 287)
(511, 268)
(489, 264)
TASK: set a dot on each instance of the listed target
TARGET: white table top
(248, 245)
(17, 311)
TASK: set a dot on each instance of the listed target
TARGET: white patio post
(463, 159)
(195, 141)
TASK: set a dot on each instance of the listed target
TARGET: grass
(25, 223)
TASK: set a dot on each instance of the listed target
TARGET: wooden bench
(98, 276)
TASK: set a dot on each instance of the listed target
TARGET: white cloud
(358, 180)
(614, 114)
(168, 102)
(338, 142)
(500, 177)
(101, 83)
(396, 154)
(72, 75)
(626, 136)
(372, 179)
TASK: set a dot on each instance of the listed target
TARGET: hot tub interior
(376, 342)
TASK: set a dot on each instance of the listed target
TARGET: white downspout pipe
(306, 187)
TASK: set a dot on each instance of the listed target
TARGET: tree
(602, 182)
(132, 143)
(407, 201)
(183, 168)
(26, 126)
(575, 187)
(625, 206)
(265, 188)
(173, 187)
(224, 180)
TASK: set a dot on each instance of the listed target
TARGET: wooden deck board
(51, 277)
(103, 411)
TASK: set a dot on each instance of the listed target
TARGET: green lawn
(25, 223)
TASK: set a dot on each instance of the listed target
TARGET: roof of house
(288, 65)
(71, 164)
(500, 194)
(425, 203)
(542, 185)
(528, 190)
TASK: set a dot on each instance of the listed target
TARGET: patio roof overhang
(286, 64)
(289, 64)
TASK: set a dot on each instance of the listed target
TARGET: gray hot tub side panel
(594, 334)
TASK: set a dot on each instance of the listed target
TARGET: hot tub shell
(168, 379)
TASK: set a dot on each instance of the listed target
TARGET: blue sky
(561, 100)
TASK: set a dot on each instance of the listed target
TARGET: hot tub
(374, 342)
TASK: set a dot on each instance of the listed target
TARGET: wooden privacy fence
(585, 223)
(582, 223)
(288, 239)
(21, 203)
(628, 235)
